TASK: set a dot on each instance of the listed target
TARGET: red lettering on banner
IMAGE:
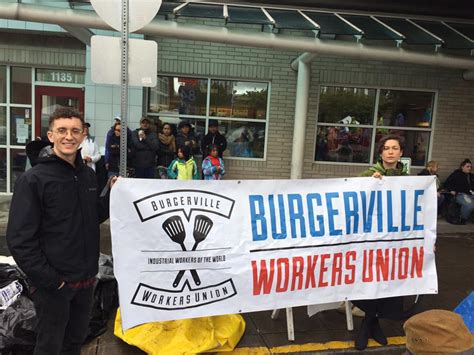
(394, 261)
(298, 268)
(403, 264)
(322, 270)
(417, 262)
(392, 264)
(310, 271)
(381, 264)
(282, 279)
(367, 266)
(262, 279)
(336, 277)
(305, 272)
(350, 256)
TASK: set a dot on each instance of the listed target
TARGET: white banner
(186, 249)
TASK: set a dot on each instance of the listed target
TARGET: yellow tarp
(185, 336)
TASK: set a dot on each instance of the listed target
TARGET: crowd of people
(456, 194)
(165, 155)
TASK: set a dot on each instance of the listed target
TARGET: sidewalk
(325, 332)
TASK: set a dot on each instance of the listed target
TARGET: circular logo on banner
(140, 12)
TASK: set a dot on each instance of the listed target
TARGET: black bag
(105, 298)
(453, 211)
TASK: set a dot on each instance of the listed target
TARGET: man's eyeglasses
(75, 132)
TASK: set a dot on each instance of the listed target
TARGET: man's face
(213, 129)
(67, 135)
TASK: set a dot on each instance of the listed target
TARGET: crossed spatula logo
(174, 228)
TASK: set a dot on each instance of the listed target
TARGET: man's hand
(87, 158)
(62, 285)
(113, 180)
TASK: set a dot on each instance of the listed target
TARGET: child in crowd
(184, 167)
(212, 165)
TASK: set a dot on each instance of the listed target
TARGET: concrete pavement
(325, 332)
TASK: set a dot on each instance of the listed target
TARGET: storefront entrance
(47, 98)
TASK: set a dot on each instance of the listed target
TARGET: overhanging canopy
(363, 27)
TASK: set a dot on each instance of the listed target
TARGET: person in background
(145, 145)
(111, 133)
(166, 149)
(390, 150)
(461, 185)
(53, 234)
(184, 167)
(186, 137)
(89, 149)
(113, 146)
(432, 169)
(213, 136)
(212, 165)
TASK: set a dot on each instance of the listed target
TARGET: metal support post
(124, 91)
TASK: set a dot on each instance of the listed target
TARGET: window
(351, 121)
(16, 122)
(21, 86)
(240, 107)
(3, 84)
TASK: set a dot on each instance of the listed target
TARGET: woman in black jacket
(461, 185)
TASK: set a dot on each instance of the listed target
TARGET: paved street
(325, 331)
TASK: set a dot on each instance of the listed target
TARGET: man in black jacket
(145, 145)
(213, 136)
(53, 233)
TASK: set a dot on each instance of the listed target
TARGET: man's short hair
(65, 112)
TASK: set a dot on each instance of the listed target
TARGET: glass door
(47, 98)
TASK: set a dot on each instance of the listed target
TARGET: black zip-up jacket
(145, 150)
(53, 227)
(460, 182)
(217, 139)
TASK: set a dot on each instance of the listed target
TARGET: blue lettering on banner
(416, 226)
(379, 212)
(281, 209)
(367, 213)
(351, 213)
(258, 217)
(332, 213)
(312, 230)
(391, 228)
(296, 215)
(293, 214)
(404, 227)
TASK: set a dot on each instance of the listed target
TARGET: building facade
(251, 92)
